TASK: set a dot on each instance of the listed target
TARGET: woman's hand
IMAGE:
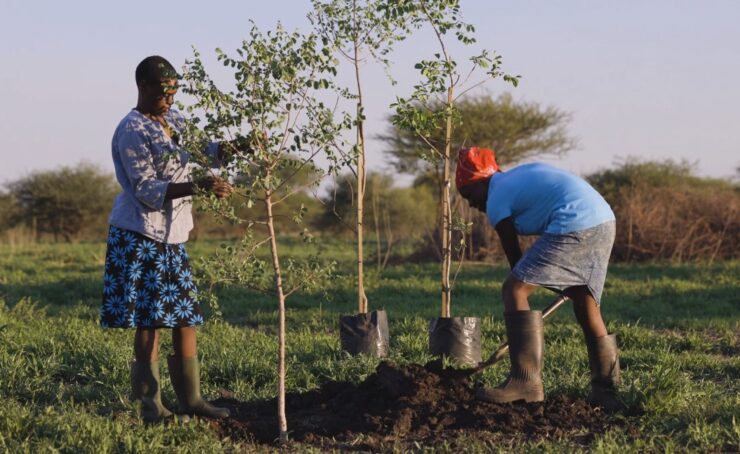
(217, 185)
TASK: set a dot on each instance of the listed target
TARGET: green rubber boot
(603, 359)
(185, 374)
(525, 332)
(145, 388)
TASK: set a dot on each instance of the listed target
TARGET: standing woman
(148, 282)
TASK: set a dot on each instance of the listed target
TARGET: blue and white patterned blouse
(140, 150)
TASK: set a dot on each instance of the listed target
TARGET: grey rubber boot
(603, 359)
(185, 374)
(524, 330)
(145, 388)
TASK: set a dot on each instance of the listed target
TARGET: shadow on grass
(411, 290)
(56, 296)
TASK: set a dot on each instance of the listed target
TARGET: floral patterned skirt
(147, 284)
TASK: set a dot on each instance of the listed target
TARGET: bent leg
(587, 312)
(603, 354)
(515, 294)
(524, 331)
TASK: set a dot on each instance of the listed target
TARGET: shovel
(500, 352)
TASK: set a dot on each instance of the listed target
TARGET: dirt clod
(407, 403)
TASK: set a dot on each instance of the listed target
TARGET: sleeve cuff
(152, 193)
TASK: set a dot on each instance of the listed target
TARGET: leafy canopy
(281, 137)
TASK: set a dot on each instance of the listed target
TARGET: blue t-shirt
(543, 199)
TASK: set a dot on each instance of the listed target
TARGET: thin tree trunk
(447, 215)
(376, 209)
(389, 239)
(282, 420)
(361, 297)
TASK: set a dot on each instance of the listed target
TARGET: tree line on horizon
(664, 211)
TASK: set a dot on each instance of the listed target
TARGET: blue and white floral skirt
(147, 284)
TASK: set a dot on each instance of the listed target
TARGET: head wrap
(474, 164)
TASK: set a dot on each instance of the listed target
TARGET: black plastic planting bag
(457, 338)
(365, 333)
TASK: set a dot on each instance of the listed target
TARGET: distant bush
(208, 226)
(392, 215)
(11, 232)
(73, 203)
(69, 203)
(8, 211)
(665, 212)
(409, 211)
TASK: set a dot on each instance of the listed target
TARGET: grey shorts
(569, 259)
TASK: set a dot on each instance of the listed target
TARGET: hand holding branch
(217, 185)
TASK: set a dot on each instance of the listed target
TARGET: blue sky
(653, 79)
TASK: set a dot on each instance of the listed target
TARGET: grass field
(64, 382)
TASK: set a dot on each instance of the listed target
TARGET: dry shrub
(676, 223)
(666, 213)
(17, 236)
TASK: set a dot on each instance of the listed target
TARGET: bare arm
(179, 190)
(509, 240)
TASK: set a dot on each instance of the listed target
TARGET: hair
(153, 69)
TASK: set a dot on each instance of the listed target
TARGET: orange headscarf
(474, 164)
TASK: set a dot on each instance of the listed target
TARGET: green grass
(64, 381)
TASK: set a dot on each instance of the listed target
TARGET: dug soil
(408, 404)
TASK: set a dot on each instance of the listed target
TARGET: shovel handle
(500, 352)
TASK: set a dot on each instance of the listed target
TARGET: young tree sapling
(274, 124)
(444, 83)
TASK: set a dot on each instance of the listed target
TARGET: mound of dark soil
(409, 402)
